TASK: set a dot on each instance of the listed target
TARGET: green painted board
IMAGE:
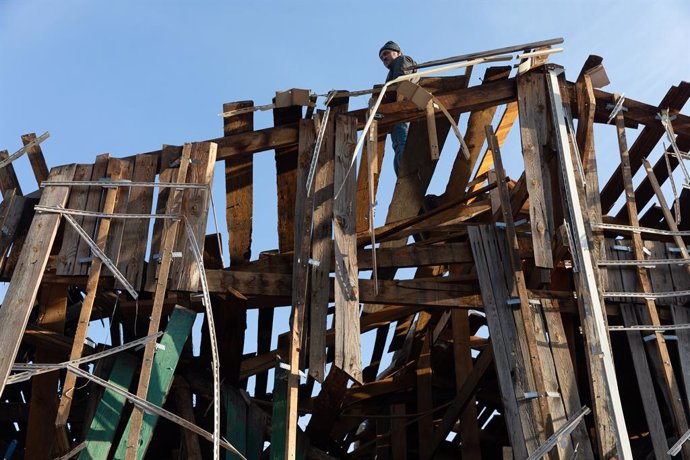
(164, 364)
(109, 410)
(279, 418)
(236, 432)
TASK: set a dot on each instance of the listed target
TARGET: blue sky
(126, 76)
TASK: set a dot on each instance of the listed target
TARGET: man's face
(387, 56)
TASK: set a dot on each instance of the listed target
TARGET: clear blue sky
(127, 76)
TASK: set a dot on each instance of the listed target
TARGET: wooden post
(166, 249)
(347, 348)
(162, 371)
(23, 288)
(302, 233)
(115, 170)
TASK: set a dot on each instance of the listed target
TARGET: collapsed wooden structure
(588, 344)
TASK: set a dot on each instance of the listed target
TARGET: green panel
(109, 410)
(279, 418)
(236, 410)
(164, 364)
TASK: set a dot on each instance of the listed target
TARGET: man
(397, 64)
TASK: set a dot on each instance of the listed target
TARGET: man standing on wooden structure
(398, 64)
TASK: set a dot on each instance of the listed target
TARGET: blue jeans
(399, 138)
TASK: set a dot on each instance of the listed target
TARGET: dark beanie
(390, 45)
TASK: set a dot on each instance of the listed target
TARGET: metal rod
(481, 54)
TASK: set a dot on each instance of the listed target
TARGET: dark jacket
(400, 66)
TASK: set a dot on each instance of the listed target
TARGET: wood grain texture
(23, 288)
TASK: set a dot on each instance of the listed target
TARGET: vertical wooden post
(347, 347)
(44, 388)
(302, 233)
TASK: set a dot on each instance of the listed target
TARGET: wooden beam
(347, 347)
(168, 238)
(93, 203)
(183, 403)
(162, 373)
(135, 233)
(322, 246)
(8, 177)
(532, 99)
(303, 214)
(35, 154)
(239, 188)
(286, 169)
(184, 272)
(107, 418)
(21, 293)
(43, 405)
(116, 169)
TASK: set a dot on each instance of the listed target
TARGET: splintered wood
(518, 314)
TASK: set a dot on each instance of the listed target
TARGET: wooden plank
(532, 99)
(183, 403)
(162, 373)
(236, 421)
(36, 158)
(462, 354)
(116, 169)
(322, 251)
(70, 237)
(565, 372)
(501, 344)
(327, 405)
(286, 169)
(104, 424)
(184, 272)
(425, 426)
(263, 345)
(239, 187)
(94, 198)
(303, 214)
(169, 155)
(678, 411)
(168, 238)
(474, 138)
(21, 293)
(398, 434)
(363, 180)
(136, 232)
(503, 128)
(8, 178)
(12, 211)
(347, 348)
(117, 226)
(322, 244)
(44, 388)
(279, 415)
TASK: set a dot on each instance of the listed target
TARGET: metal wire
(120, 183)
(33, 369)
(94, 247)
(212, 337)
(155, 410)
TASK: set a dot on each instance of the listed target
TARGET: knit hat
(390, 45)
